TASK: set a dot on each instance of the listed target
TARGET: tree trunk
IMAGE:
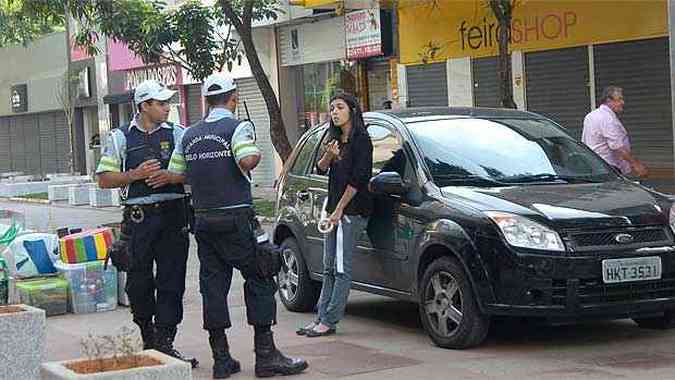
(505, 78)
(277, 127)
(502, 10)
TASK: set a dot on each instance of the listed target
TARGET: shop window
(320, 82)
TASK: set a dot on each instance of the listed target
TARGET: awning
(125, 97)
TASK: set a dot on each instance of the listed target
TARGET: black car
(485, 212)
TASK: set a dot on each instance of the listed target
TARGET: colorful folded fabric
(86, 246)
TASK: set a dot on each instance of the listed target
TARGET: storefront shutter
(485, 82)
(557, 86)
(264, 173)
(378, 84)
(18, 143)
(62, 138)
(5, 146)
(642, 69)
(32, 141)
(427, 85)
(194, 107)
(48, 149)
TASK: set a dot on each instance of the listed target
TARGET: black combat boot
(223, 364)
(147, 333)
(269, 361)
(164, 344)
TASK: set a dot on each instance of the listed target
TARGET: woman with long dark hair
(348, 159)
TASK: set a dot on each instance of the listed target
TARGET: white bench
(78, 194)
(57, 192)
(103, 197)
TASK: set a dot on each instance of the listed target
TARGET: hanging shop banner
(468, 28)
(169, 75)
(363, 33)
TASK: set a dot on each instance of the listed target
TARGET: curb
(262, 219)
(25, 200)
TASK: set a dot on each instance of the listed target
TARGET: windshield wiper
(548, 177)
(474, 180)
(541, 177)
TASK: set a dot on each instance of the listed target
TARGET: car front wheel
(297, 291)
(448, 307)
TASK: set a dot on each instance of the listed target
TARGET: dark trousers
(158, 239)
(226, 240)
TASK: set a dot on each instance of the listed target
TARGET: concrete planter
(23, 343)
(171, 369)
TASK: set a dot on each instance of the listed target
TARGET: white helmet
(151, 89)
(218, 83)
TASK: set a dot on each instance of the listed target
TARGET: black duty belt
(138, 212)
(223, 211)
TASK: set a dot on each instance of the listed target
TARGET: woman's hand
(333, 150)
(336, 216)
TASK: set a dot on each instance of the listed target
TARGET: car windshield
(504, 152)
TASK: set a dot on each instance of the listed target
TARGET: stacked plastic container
(47, 293)
(93, 285)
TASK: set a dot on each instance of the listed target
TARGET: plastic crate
(47, 293)
(92, 289)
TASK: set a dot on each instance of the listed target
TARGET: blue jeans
(336, 285)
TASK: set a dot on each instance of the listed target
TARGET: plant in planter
(117, 357)
(22, 333)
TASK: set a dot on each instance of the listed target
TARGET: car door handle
(303, 195)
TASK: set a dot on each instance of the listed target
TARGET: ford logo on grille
(624, 238)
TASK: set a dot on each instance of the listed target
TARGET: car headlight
(671, 219)
(522, 232)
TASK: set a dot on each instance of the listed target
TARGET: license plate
(633, 269)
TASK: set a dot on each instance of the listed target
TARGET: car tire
(666, 321)
(448, 307)
(297, 291)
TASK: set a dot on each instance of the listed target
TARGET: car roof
(415, 114)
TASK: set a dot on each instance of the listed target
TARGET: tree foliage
(198, 37)
(21, 21)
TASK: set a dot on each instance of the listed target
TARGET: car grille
(596, 240)
(596, 292)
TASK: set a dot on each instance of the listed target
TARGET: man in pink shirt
(606, 136)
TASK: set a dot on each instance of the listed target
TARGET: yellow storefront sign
(435, 30)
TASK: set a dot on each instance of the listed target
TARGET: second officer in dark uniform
(215, 155)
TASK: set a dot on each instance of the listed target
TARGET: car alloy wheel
(448, 307)
(443, 303)
(288, 276)
(297, 291)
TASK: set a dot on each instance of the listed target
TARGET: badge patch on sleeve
(165, 149)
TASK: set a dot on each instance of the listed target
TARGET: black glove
(268, 259)
(118, 253)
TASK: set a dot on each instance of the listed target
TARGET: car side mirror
(388, 183)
